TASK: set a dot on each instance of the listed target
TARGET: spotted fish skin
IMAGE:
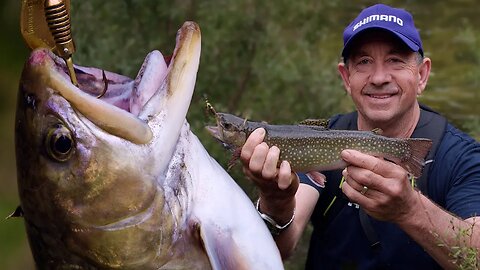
(315, 148)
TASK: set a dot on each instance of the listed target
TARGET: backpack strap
(332, 200)
(433, 126)
(349, 122)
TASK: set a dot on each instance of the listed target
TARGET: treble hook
(105, 84)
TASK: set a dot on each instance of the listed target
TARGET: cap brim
(414, 47)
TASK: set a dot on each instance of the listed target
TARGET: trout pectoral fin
(221, 248)
(235, 157)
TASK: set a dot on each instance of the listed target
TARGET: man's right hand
(280, 192)
(277, 186)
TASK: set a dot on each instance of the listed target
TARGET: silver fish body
(121, 182)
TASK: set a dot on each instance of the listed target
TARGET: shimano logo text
(378, 17)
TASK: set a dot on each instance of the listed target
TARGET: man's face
(383, 77)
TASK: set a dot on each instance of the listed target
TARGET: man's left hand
(380, 187)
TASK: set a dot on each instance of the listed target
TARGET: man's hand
(277, 186)
(381, 187)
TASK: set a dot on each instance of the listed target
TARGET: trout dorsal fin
(244, 124)
(315, 122)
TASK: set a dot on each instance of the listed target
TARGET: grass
(462, 253)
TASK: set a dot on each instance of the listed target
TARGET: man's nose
(380, 75)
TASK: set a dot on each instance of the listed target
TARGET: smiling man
(384, 77)
(368, 215)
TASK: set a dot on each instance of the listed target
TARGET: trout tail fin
(419, 149)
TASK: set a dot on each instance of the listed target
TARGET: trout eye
(227, 126)
(59, 143)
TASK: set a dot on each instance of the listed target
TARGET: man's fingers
(270, 166)
(317, 178)
(253, 140)
(258, 158)
(260, 161)
(371, 163)
(361, 176)
(284, 175)
(359, 159)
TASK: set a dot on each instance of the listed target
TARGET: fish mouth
(127, 105)
(215, 132)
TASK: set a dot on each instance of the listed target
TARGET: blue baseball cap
(394, 20)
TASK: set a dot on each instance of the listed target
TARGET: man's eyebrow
(399, 51)
(359, 53)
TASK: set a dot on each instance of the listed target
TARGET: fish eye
(59, 143)
(227, 126)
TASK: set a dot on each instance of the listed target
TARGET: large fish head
(89, 168)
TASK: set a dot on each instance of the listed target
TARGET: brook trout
(121, 182)
(310, 147)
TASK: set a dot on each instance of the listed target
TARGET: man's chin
(379, 116)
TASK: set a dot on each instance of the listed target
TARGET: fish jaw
(103, 204)
(171, 95)
(109, 117)
(174, 96)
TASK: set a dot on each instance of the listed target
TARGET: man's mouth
(377, 96)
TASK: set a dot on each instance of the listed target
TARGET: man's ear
(343, 70)
(424, 74)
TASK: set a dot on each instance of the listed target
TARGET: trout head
(232, 131)
(91, 170)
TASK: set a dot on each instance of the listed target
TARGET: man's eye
(395, 60)
(363, 62)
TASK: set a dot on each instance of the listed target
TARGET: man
(377, 220)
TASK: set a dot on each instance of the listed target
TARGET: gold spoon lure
(46, 23)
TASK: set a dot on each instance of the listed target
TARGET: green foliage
(462, 254)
